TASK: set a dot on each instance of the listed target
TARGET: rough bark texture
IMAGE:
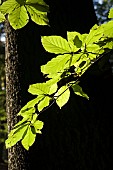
(16, 155)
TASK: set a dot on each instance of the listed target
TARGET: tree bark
(16, 154)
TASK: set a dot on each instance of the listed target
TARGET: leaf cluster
(74, 56)
(26, 129)
(19, 11)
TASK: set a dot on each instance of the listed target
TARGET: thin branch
(69, 85)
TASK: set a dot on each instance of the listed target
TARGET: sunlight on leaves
(62, 96)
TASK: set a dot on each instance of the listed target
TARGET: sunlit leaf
(2, 17)
(62, 96)
(29, 138)
(9, 6)
(43, 103)
(110, 13)
(107, 29)
(34, 118)
(53, 81)
(55, 44)
(27, 113)
(16, 135)
(75, 59)
(31, 103)
(53, 88)
(18, 10)
(18, 18)
(22, 122)
(38, 89)
(59, 64)
(75, 40)
(38, 125)
(96, 32)
(39, 17)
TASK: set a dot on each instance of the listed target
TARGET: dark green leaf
(78, 90)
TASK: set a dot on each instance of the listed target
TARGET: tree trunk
(16, 155)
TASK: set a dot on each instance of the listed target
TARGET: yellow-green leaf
(39, 17)
(29, 138)
(16, 135)
(18, 18)
(38, 125)
(110, 15)
(9, 6)
(2, 17)
(55, 44)
(38, 89)
(57, 64)
(62, 96)
(43, 103)
(75, 40)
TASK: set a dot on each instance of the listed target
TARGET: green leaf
(53, 88)
(82, 66)
(93, 48)
(40, 6)
(56, 65)
(107, 29)
(78, 90)
(71, 36)
(38, 125)
(22, 122)
(16, 135)
(96, 32)
(39, 17)
(75, 59)
(40, 2)
(18, 18)
(43, 103)
(52, 81)
(29, 138)
(62, 96)
(18, 15)
(55, 44)
(110, 15)
(92, 56)
(39, 89)
(2, 17)
(29, 109)
(34, 118)
(43, 89)
(27, 113)
(75, 40)
(8, 6)
(106, 42)
(82, 58)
